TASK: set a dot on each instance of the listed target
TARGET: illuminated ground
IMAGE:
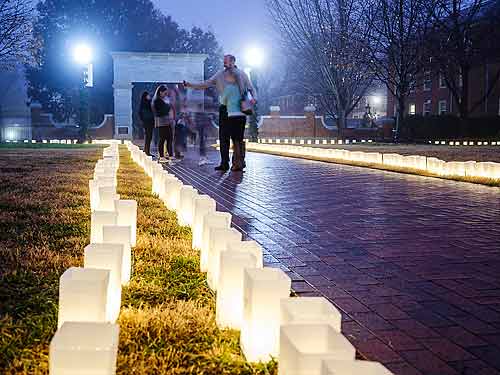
(167, 321)
(413, 262)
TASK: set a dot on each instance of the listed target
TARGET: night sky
(236, 23)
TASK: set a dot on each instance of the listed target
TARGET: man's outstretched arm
(211, 82)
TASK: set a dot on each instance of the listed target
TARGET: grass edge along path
(416, 172)
(167, 319)
(44, 227)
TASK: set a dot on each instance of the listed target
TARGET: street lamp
(82, 55)
(254, 59)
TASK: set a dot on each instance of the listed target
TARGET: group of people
(172, 129)
(232, 85)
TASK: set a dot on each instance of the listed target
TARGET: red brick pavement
(412, 262)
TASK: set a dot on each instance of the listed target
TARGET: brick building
(432, 97)
(374, 101)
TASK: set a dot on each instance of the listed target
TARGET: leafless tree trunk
(398, 30)
(327, 40)
(16, 37)
(464, 35)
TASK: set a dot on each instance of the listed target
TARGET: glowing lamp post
(202, 205)
(82, 54)
(338, 367)
(262, 291)
(84, 348)
(211, 221)
(83, 295)
(310, 310)
(229, 299)
(303, 347)
(219, 238)
(120, 234)
(98, 220)
(108, 257)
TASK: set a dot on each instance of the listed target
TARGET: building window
(442, 107)
(427, 108)
(427, 81)
(442, 82)
(412, 109)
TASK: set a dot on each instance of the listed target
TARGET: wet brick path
(412, 262)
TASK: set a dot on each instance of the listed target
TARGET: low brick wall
(312, 126)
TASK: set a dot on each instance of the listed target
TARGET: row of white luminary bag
(89, 298)
(303, 332)
(490, 170)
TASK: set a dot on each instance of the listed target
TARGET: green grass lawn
(45, 146)
(167, 320)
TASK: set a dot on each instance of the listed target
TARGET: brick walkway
(413, 262)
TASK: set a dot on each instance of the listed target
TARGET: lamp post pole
(83, 56)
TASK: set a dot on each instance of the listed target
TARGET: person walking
(202, 123)
(148, 120)
(231, 84)
(164, 120)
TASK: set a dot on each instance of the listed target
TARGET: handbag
(246, 103)
(246, 98)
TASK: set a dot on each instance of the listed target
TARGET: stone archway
(129, 67)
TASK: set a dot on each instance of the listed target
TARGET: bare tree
(326, 39)
(399, 28)
(465, 35)
(16, 37)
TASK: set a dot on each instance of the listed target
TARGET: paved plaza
(412, 262)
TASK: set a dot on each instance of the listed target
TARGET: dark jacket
(146, 114)
(161, 109)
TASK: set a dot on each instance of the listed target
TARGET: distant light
(82, 54)
(254, 57)
(377, 100)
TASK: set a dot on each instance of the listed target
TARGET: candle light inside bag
(84, 348)
(210, 221)
(219, 238)
(83, 295)
(108, 257)
(98, 220)
(262, 291)
(303, 347)
(127, 215)
(202, 205)
(120, 234)
(229, 298)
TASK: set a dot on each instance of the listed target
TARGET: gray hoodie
(219, 82)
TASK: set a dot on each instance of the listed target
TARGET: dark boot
(237, 160)
(243, 153)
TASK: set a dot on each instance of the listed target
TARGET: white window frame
(427, 80)
(424, 112)
(442, 81)
(440, 107)
(412, 109)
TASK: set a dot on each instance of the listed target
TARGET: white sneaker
(162, 160)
